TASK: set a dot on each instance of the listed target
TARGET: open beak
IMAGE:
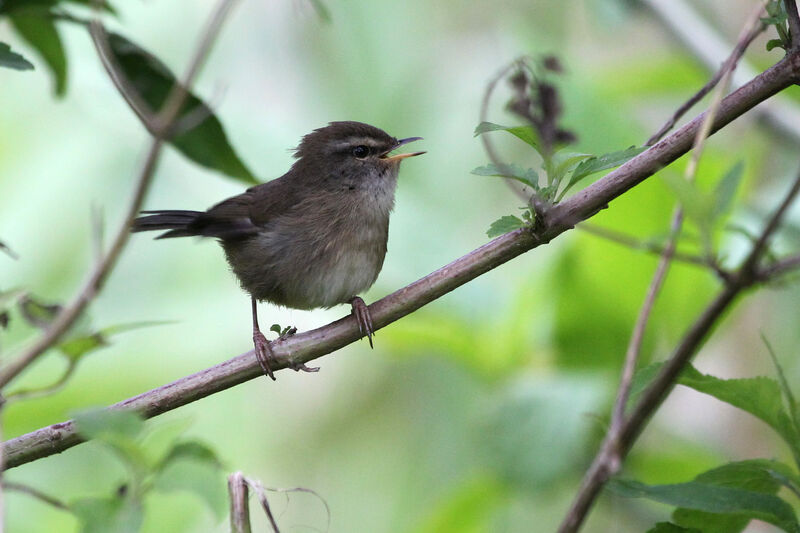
(386, 157)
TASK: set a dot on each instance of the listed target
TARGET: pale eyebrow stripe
(355, 141)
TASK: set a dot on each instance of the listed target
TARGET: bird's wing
(243, 215)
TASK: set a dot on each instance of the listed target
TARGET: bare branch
(728, 65)
(634, 243)
(164, 120)
(240, 504)
(654, 395)
(704, 42)
(39, 495)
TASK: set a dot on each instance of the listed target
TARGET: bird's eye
(361, 151)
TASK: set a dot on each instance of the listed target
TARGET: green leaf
(698, 205)
(712, 498)
(120, 514)
(80, 346)
(40, 32)
(197, 476)
(322, 11)
(726, 189)
(37, 313)
(759, 475)
(760, 396)
(13, 60)
(194, 450)
(524, 133)
(503, 225)
(563, 162)
(669, 527)
(527, 177)
(605, 162)
(206, 143)
(788, 395)
(774, 43)
(102, 423)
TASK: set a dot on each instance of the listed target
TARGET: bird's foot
(363, 318)
(263, 352)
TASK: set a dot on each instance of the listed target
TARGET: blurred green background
(477, 413)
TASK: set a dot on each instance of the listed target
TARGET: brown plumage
(316, 236)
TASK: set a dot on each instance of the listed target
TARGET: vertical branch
(162, 122)
(608, 460)
(240, 507)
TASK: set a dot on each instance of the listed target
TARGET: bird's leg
(261, 344)
(361, 312)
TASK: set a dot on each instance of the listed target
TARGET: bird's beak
(398, 157)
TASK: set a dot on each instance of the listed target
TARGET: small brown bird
(316, 236)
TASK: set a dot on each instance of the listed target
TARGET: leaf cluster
(726, 498)
(156, 459)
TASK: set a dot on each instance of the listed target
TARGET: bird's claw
(361, 313)
(263, 353)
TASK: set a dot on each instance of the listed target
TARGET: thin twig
(240, 503)
(262, 498)
(124, 86)
(634, 243)
(166, 117)
(705, 43)
(488, 146)
(779, 268)
(39, 495)
(738, 51)
(654, 395)
(304, 347)
(609, 459)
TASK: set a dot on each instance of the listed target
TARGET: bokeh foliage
(480, 411)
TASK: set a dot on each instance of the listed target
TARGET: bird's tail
(179, 223)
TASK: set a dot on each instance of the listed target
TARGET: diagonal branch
(164, 120)
(305, 347)
(657, 391)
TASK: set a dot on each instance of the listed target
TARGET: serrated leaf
(15, 61)
(563, 162)
(120, 514)
(725, 190)
(206, 143)
(760, 396)
(593, 165)
(524, 133)
(527, 177)
(714, 499)
(40, 32)
(503, 225)
(100, 423)
(604, 162)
